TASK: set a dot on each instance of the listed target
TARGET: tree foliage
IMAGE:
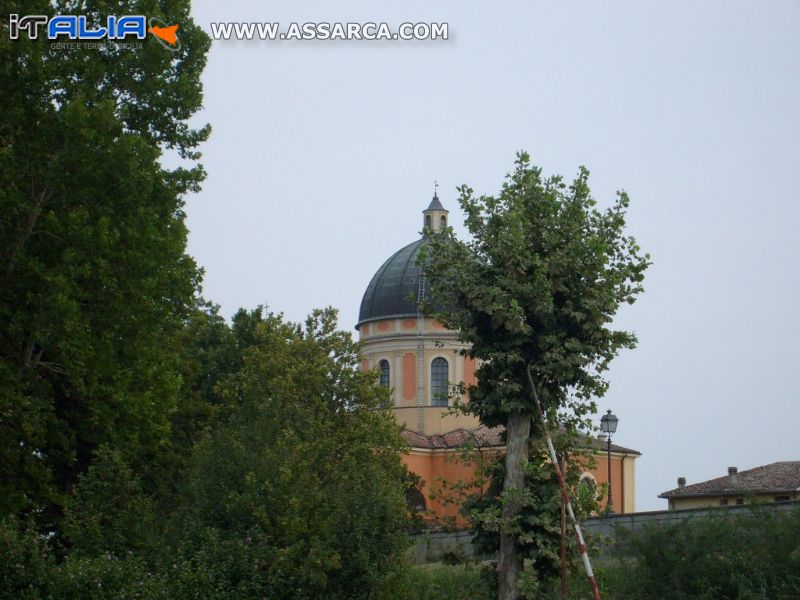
(94, 275)
(110, 513)
(294, 489)
(307, 472)
(537, 286)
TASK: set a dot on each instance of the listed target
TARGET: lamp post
(608, 425)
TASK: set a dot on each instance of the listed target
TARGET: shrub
(751, 555)
(445, 582)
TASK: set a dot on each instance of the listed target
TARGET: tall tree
(94, 275)
(535, 288)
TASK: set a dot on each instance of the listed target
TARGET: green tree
(535, 291)
(210, 353)
(300, 493)
(94, 276)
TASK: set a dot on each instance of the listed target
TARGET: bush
(752, 555)
(445, 582)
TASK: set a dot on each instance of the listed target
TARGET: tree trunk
(518, 429)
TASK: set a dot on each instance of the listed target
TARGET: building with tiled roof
(421, 361)
(776, 482)
(486, 437)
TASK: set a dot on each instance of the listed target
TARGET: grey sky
(323, 154)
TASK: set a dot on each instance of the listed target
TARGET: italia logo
(75, 27)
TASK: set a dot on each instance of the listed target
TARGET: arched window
(443, 222)
(384, 367)
(428, 221)
(439, 381)
(415, 501)
(588, 486)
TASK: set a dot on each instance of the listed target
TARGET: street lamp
(608, 425)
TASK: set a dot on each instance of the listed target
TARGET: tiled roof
(776, 477)
(601, 445)
(484, 437)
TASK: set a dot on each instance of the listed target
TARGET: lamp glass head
(608, 423)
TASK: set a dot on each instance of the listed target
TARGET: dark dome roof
(388, 293)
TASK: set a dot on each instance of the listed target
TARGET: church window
(428, 221)
(588, 486)
(415, 501)
(384, 367)
(443, 221)
(439, 382)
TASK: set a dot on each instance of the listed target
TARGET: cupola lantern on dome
(434, 218)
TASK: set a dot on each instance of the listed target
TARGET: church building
(420, 360)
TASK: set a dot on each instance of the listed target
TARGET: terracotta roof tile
(775, 477)
(453, 439)
(485, 437)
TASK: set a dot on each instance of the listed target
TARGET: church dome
(394, 289)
